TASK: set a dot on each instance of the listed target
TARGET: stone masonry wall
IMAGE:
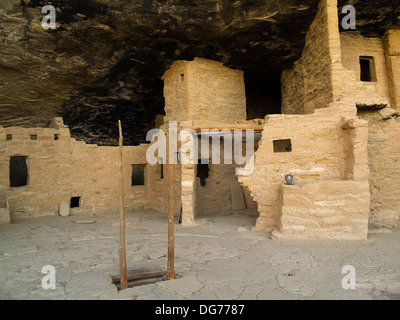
(216, 93)
(215, 196)
(176, 92)
(354, 46)
(205, 93)
(319, 151)
(64, 168)
(384, 162)
(307, 86)
(392, 54)
(336, 210)
(204, 90)
(329, 69)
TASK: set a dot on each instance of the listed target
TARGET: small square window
(33, 136)
(75, 202)
(282, 146)
(9, 137)
(56, 137)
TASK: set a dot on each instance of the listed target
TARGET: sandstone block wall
(329, 69)
(4, 214)
(354, 46)
(308, 85)
(384, 155)
(392, 54)
(64, 168)
(204, 93)
(347, 91)
(176, 92)
(325, 210)
(324, 147)
(215, 196)
(204, 90)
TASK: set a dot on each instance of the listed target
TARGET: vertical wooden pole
(171, 239)
(122, 249)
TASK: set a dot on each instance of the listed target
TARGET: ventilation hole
(75, 202)
(282, 146)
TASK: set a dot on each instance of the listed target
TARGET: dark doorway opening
(18, 171)
(263, 95)
(202, 172)
(138, 174)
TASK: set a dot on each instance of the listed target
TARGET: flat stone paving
(219, 259)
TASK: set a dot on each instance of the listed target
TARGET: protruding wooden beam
(228, 127)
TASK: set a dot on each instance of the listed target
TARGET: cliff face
(105, 60)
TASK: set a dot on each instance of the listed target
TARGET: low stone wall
(384, 163)
(325, 210)
(320, 149)
(60, 167)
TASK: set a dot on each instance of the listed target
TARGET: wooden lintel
(228, 127)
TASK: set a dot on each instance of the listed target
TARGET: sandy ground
(220, 259)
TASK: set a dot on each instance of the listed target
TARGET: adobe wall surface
(203, 93)
(335, 210)
(308, 86)
(65, 168)
(324, 147)
(176, 92)
(354, 46)
(384, 155)
(215, 196)
(204, 90)
(392, 50)
(329, 68)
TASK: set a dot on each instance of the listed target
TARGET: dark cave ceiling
(105, 60)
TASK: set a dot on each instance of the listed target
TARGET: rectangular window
(18, 171)
(75, 202)
(367, 69)
(138, 174)
(282, 145)
(33, 136)
(9, 137)
(56, 137)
